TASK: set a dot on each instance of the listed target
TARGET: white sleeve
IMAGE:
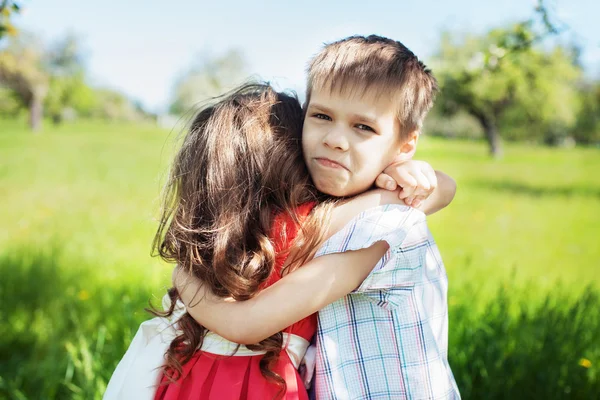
(139, 372)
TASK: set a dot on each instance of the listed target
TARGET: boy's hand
(416, 179)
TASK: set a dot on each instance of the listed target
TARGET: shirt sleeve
(389, 223)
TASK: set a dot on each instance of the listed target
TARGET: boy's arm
(440, 197)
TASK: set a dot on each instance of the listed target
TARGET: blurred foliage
(520, 347)
(68, 93)
(8, 8)
(510, 84)
(51, 80)
(22, 71)
(210, 77)
(506, 83)
(115, 106)
(459, 124)
(510, 87)
(587, 129)
(60, 340)
(10, 104)
(69, 96)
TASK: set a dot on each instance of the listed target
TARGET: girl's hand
(416, 179)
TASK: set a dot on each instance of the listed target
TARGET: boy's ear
(408, 148)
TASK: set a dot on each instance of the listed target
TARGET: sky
(142, 47)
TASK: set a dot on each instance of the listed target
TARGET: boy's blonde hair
(381, 66)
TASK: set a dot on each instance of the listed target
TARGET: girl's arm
(299, 294)
(307, 290)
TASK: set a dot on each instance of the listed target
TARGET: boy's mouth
(326, 162)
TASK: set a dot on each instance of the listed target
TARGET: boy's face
(349, 140)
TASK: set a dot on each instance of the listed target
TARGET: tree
(211, 77)
(10, 105)
(69, 94)
(46, 78)
(587, 129)
(22, 71)
(65, 57)
(68, 90)
(502, 76)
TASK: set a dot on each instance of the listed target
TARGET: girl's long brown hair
(240, 165)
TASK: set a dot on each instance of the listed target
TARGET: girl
(240, 213)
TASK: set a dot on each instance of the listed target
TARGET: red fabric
(215, 377)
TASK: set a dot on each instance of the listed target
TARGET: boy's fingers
(431, 177)
(414, 201)
(406, 181)
(406, 192)
(423, 184)
(384, 181)
(401, 176)
(390, 169)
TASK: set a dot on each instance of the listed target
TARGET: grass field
(521, 243)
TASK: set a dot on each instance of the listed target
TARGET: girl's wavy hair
(240, 165)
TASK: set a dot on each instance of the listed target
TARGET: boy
(366, 100)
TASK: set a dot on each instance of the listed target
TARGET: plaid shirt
(388, 339)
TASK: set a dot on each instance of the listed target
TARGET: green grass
(532, 217)
(79, 206)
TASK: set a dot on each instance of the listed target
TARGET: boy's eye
(322, 116)
(364, 127)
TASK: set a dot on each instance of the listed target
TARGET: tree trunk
(36, 112)
(492, 136)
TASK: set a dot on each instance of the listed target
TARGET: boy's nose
(336, 140)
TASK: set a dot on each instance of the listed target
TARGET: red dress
(216, 377)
